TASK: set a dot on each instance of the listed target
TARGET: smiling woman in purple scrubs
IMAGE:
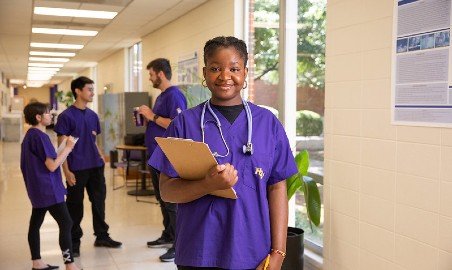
(40, 167)
(252, 149)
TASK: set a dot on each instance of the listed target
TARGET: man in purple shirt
(84, 167)
(167, 106)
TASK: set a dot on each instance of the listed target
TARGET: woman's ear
(204, 72)
(246, 71)
(38, 118)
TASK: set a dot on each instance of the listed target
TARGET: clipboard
(63, 144)
(191, 160)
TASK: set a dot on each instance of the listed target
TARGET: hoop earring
(202, 83)
(246, 85)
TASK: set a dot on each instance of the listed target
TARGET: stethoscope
(247, 148)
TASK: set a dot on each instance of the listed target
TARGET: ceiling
(135, 19)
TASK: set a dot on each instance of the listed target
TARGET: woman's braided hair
(212, 45)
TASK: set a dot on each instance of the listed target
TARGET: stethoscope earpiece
(248, 147)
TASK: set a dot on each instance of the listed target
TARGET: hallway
(133, 223)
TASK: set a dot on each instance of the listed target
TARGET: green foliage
(195, 94)
(309, 123)
(67, 98)
(307, 185)
(310, 42)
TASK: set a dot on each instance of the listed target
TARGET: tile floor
(131, 222)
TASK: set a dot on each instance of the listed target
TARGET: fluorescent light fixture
(61, 54)
(67, 32)
(44, 65)
(43, 69)
(56, 45)
(38, 77)
(37, 84)
(16, 81)
(49, 59)
(80, 13)
(42, 72)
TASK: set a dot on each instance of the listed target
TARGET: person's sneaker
(161, 242)
(106, 242)
(169, 255)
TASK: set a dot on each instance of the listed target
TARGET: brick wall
(307, 98)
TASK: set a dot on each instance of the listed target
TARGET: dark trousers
(168, 209)
(94, 182)
(61, 215)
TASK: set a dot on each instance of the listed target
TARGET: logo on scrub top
(94, 133)
(259, 172)
(179, 110)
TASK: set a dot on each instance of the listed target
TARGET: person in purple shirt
(254, 158)
(85, 165)
(40, 166)
(167, 106)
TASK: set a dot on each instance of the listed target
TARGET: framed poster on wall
(421, 61)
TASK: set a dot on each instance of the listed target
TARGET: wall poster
(421, 73)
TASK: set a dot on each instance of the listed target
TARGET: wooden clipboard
(191, 160)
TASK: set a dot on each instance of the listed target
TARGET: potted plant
(301, 181)
(67, 98)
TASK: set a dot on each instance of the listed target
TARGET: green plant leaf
(302, 161)
(312, 199)
(293, 184)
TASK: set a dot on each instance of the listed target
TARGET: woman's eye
(214, 69)
(235, 69)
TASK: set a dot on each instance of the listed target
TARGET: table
(143, 191)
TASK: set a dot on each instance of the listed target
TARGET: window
(135, 67)
(264, 57)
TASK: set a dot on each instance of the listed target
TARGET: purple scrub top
(168, 104)
(44, 188)
(218, 232)
(83, 124)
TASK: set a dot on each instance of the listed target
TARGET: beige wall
(187, 35)
(110, 70)
(42, 94)
(388, 189)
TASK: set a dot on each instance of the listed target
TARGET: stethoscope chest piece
(248, 149)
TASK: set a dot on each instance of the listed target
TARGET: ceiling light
(62, 54)
(36, 84)
(67, 32)
(41, 77)
(49, 59)
(42, 72)
(56, 45)
(43, 68)
(16, 81)
(66, 12)
(44, 65)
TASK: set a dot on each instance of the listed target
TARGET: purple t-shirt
(168, 104)
(44, 188)
(82, 124)
(218, 232)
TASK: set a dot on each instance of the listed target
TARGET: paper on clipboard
(191, 160)
(63, 144)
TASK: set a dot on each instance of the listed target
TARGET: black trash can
(295, 249)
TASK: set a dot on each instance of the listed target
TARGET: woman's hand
(70, 142)
(276, 261)
(221, 177)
